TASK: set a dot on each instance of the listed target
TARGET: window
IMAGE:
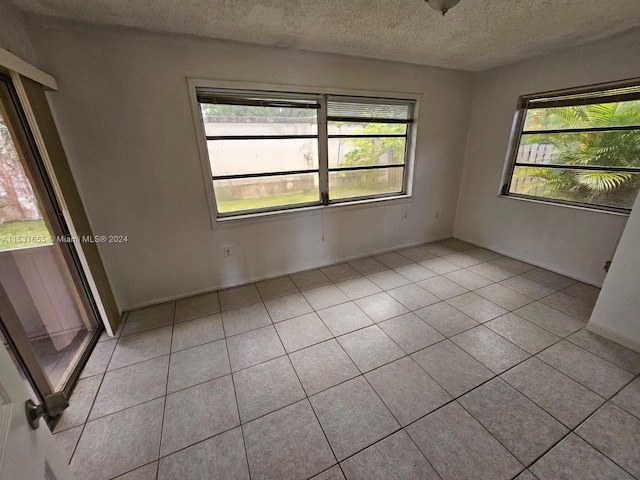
(367, 146)
(273, 151)
(579, 147)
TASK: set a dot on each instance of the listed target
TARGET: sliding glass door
(48, 319)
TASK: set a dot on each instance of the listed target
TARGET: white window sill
(564, 205)
(250, 218)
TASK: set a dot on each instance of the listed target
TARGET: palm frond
(598, 181)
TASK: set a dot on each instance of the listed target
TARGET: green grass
(231, 205)
(26, 233)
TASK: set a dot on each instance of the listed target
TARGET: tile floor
(439, 361)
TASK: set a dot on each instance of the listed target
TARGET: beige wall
(14, 34)
(124, 115)
(567, 240)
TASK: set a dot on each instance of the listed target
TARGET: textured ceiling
(474, 35)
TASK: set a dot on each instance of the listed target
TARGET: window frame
(284, 99)
(322, 94)
(555, 99)
(407, 135)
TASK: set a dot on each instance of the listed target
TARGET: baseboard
(276, 274)
(614, 336)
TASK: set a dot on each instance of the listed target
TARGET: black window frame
(319, 102)
(626, 90)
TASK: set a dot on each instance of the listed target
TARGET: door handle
(53, 405)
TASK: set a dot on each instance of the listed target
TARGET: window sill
(565, 205)
(315, 209)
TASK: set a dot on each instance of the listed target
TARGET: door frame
(42, 185)
(32, 95)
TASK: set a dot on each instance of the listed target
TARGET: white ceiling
(474, 35)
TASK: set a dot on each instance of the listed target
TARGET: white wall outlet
(227, 252)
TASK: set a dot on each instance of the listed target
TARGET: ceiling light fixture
(442, 6)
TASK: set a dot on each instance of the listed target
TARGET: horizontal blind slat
(590, 97)
(369, 108)
(257, 99)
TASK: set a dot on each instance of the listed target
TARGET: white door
(25, 454)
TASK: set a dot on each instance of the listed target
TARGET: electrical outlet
(436, 214)
(227, 252)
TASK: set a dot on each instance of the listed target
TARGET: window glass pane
(354, 152)
(584, 116)
(619, 148)
(614, 189)
(236, 157)
(360, 183)
(21, 222)
(224, 120)
(23, 376)
(360, 128)
(265, 192)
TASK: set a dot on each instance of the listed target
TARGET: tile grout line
(86, 420)
(386, 406)
(604, 400)
(136, 468)
(487, 430)
(306, 397)
(569, 429)
(235, 396)
(573, 430)
(383, 402)
(596, 354)
(166, 388)
(455, 399)
(620, 406)
(575, 380)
